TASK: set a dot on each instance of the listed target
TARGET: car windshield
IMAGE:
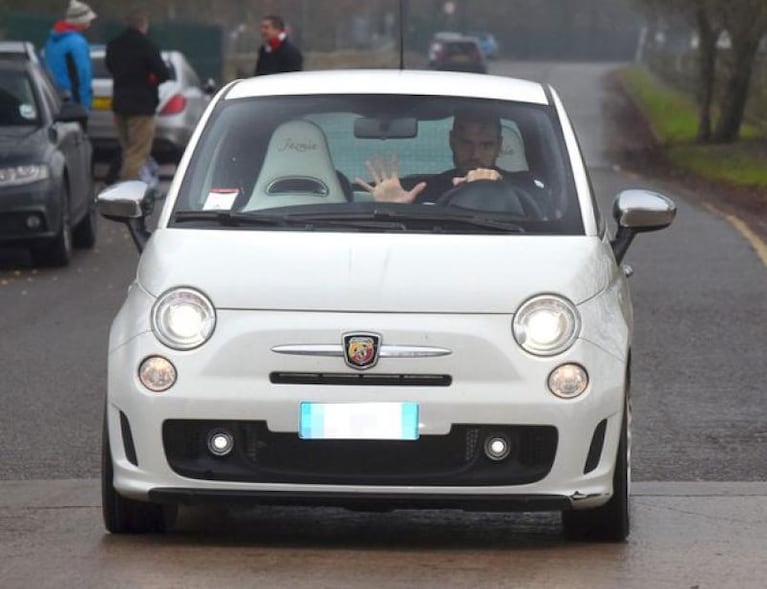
(18, 106)
(310, 163)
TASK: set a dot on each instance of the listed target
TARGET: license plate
(460, 58)
(102, 103)
(359, 421)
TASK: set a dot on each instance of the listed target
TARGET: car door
(74, 144)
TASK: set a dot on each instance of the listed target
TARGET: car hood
(410, 273)
(22, 144)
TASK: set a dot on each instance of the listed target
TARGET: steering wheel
(493, 196)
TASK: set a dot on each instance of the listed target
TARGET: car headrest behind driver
(297, 170)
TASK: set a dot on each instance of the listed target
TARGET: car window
(18, 106)
(50, 96)
(273, 153)
(454, 48)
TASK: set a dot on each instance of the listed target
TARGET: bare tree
(746, 22)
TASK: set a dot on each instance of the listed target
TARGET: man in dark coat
(277, 54)
(137, 69)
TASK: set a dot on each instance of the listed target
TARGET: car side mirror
(129, 202)
(210, 86)
(72, 112)
(639, 211)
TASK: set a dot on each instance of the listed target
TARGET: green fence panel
(201, 44)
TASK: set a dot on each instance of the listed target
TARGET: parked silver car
(18, 50)
(182, 102)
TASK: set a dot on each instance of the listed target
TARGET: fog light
(568, 381)
(497, 447)
(33, 222)
(157, 374)
(220, 443)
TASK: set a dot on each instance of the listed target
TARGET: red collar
(276, 42)
(63, 26)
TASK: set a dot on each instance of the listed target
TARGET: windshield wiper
(430, 219)
(309, 222)
(229, 218)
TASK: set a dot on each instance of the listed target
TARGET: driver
(475, 141)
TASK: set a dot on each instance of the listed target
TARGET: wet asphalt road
(699, 414)
(699, 351)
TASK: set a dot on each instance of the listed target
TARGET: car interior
(314, 158)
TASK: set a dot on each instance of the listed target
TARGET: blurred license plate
(461, 58)
(102, 103)
(359, 421)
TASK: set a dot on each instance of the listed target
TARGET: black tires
(84, 233)
(128, 516)
(58, 250)
(610, 522)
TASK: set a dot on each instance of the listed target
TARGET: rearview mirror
(639, 211)
(375, 128)
(72, 112)
(128, 202)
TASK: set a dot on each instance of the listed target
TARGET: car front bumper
(493, 386)
(18, 203)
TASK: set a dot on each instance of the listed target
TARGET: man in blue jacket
(68, 56)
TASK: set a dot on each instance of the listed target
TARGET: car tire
(57, 251)
(610, 522)
(128, 516)
(84, 233)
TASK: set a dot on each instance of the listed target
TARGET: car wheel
(609, 522)
(127, 516)
(84, 233)
(56, 251)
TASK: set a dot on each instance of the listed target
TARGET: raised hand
(386, 185)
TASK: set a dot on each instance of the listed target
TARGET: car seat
(297, 170)
(512, 157)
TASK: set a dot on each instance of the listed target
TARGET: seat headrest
(297, 169)
(512, 157)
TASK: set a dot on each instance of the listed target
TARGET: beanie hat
(79, 13)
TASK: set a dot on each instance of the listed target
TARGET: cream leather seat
(297, 170)
(512, 157)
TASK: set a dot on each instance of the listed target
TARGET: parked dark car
(457, 53)
(46, 184)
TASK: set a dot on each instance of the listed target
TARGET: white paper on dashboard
(220, 199)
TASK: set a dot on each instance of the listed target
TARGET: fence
(679, 69)
(202, 45)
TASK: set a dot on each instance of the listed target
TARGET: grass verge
(674, 122)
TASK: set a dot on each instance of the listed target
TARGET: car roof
(14, 64)
(403, 82)
(20, 46)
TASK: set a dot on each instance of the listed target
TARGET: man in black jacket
(277, 54)
(138, 69)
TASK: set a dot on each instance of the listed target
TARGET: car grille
(262, 456)
(343, 378)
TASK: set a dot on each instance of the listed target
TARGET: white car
(183, 99)
(292, 338)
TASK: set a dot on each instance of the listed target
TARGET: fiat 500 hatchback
(376, 290)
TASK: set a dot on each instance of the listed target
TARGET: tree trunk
(707, 36)
(736, 90)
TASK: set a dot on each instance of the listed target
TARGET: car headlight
(546, 325)
(19, 175)
(183, 319)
